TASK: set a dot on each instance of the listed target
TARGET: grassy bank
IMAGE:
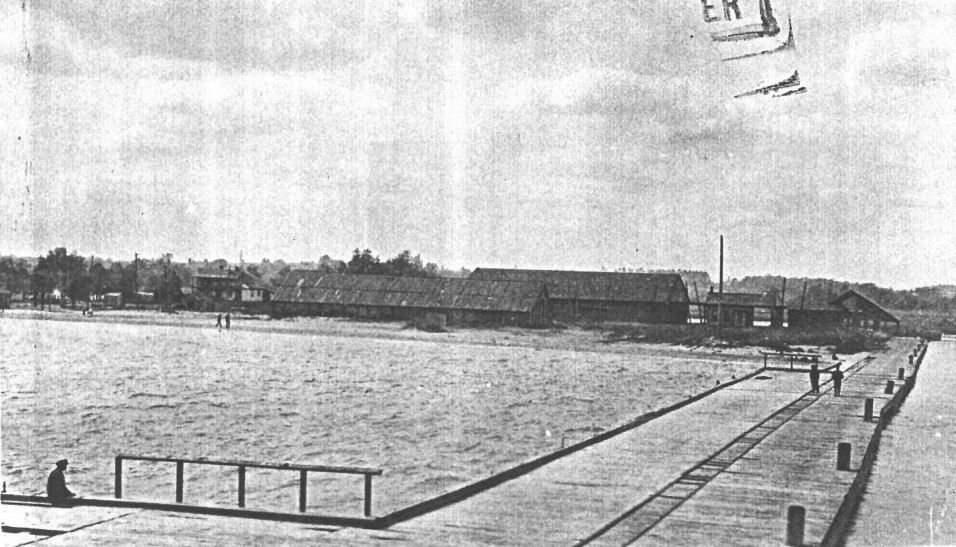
(928, 324)
(841, 340)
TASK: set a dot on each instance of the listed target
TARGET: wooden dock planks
(796, 465)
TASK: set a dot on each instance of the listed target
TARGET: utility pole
(90, 286)
(720, 294)
(167, 256)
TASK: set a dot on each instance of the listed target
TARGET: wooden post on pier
(843, 457)
(889, 387)
(868, 409)
(118, 478)
(179, 482)
(901, 374)
(242, 486)
(796, 518)
(303, 481)
(368, 495)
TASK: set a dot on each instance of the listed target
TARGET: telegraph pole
(720, 294)
(167, 256)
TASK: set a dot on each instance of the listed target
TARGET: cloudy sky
(534, 133)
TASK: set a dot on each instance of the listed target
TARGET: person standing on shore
(228, 322)
(837, 376)
(219, 320)
(814, 379)
(56, 488)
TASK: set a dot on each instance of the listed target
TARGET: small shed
(253, 289)
(113, 300)
(739, 309)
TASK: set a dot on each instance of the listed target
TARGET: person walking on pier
(837, 376)
(219, 320)
(56, 488)
(228, 322)
(814, 379)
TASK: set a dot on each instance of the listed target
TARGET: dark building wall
(814, 319)
(607, 310)
(733, 316)
(539, 316)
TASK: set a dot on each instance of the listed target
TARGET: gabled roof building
(604, 296)
(460, 301)
(850, 309)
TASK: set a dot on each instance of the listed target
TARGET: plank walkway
(747, 505)
(726, 467)
(909, 498)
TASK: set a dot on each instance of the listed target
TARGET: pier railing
(792, 356)
(241, 466)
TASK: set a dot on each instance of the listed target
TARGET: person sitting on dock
(837, 376)
(814, 379)
(56, 488)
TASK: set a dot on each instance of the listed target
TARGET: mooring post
(242, 486)
(901, 373)
(796, 517)
(179, 482)
(843, 457)
(889, 387)
(868, 409)
(118, 479)
(911, 359)
(368, 495)
(303, 478)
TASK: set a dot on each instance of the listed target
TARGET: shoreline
(569, 339)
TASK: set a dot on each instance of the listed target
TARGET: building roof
(252, 282)
(606, 286)
(846, 301)
(750, 300)
(215, 272)
(313, 286)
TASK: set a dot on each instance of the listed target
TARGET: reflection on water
(433, 415)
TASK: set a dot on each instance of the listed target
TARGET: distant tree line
(403, 264)
(80, 279)
(937, 299)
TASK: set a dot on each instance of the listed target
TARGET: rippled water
(434, 415)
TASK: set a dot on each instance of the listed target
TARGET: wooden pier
(725, 468)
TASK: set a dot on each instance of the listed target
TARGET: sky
(564, 134)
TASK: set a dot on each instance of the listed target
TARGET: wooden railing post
(242, 466)
(368, 495)
(303, 478)
(118, 479)
(242, 486)
(179, 481)
(843, 457)
(796, 519)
